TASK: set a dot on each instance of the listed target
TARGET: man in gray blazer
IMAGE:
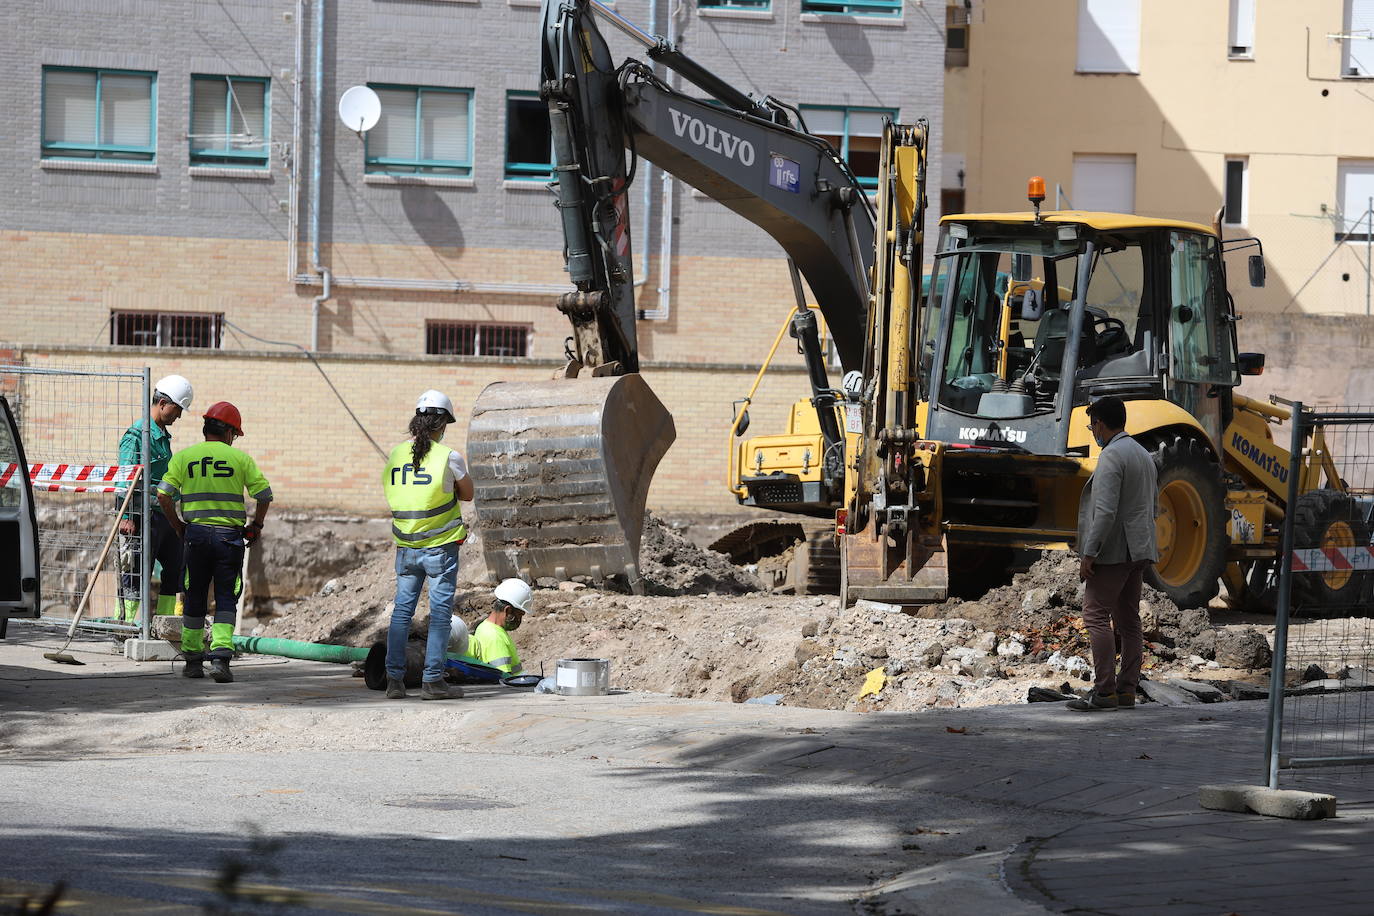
(1116, 541)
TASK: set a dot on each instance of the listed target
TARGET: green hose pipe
(295, 648)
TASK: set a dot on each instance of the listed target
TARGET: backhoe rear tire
(1190, 529)
(1329, 518)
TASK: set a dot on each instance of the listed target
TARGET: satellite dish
(360, 109)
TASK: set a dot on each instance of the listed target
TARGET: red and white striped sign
(1333, 559)
(77, 478)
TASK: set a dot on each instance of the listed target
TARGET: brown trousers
(1111, 612)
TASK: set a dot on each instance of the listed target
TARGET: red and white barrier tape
(1333, 559)
(76, 478)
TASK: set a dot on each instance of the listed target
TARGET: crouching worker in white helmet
(491, 643)
(424, 482)
(171, 395)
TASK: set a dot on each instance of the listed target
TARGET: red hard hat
(225, 412)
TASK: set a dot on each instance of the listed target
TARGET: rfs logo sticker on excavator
(708, 136)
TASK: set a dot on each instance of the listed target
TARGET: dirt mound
(672, 565)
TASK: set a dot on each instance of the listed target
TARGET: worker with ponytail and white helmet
(424, 481)
(171, 395)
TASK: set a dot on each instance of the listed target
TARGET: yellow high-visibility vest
(422, 514)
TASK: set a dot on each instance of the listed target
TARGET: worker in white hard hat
(424, 481)
(491, 643)
(171, 396)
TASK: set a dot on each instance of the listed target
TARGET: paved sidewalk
(1105, 803)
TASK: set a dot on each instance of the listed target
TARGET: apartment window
(1108, 36)
(856, 132)
(529, 140)
(1241, 34)
(733, 4)
(166, 329)
(956, 36)
(461, 338)
(229, 121)
(888, 8)
(424, 130)
(1355, 188)
(1357, 55)
(99, 114)
(1104, 183)
(1236, 189)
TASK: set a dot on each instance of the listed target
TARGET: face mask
(513, 622)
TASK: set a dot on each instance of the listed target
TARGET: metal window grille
(166, 329)
(455, 338)
(734, 4)
(853, 7)
(1321, 712)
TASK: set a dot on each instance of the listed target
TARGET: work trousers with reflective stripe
(165, 548)
(213, 556)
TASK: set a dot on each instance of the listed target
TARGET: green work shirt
(209, 479)
(493, 646)
(159, 453)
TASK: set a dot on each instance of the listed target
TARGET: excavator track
(800, 558)
(561, 470)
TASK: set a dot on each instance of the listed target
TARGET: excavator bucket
(561, 470)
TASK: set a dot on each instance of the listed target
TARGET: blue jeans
(413, 566)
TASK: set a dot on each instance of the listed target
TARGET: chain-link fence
(1321, 712)
(72, 422)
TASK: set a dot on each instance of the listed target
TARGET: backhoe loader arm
(743, 153)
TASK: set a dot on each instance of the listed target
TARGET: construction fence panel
(1321, 728)
(71, 422)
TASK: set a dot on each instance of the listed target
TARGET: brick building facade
(140, 231)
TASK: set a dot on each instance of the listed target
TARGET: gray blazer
(1116, 513)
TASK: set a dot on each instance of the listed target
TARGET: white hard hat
(516, 593)
(176, 389)
(433, 400)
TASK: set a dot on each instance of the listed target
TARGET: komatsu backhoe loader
(972, 421)
(562, 468)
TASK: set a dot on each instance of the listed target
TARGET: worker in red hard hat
(209, 480)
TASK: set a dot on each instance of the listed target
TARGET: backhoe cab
(976, 437)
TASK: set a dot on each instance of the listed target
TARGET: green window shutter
(69, 107)
(444, 127)
(394, 135)
(126, 110)
(249, 117)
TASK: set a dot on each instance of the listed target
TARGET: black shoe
(195, 668)
(1125, 700)
(438, 690)
(1094, 702)
(395, 689)
(219, 671)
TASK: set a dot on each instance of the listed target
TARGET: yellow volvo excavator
(972, 419)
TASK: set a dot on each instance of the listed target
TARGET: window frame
(437, 325)
(1129, 67)
(1348, 26)
(874, 9)
(1343, 169)
(225, 158)
(164, 329)
(1236, 22)
(868, 184)
(100, 152)
(421, 167)
(525, 171)
(1244, 203)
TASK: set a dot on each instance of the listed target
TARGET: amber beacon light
(1035, 193)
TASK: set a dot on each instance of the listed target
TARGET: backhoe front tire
(1190, 529)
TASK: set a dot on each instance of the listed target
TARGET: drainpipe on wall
(665, 234)
(317, 130)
